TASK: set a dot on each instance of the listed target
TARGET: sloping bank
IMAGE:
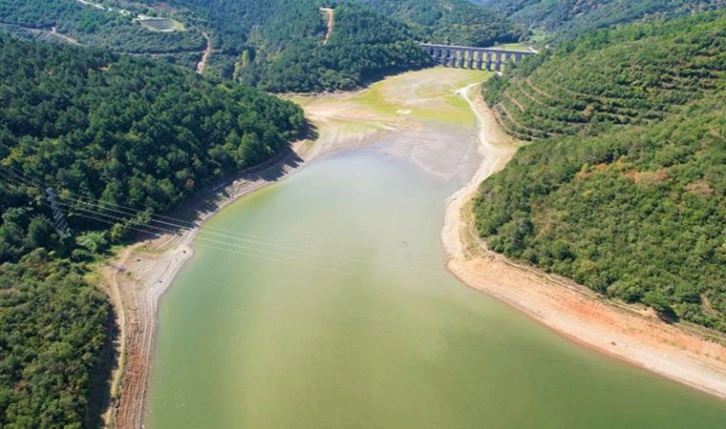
(140, 274)
(638, 337)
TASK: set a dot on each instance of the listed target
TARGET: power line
(131, 210)
(170, 221)
(344, 268)
(238, 245)
(111, 217)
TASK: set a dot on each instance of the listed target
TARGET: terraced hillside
(571, 17)
(625, 189)
(630, 76)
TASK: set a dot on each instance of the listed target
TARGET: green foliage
(99, 128)
(276, 44)
(363, 46)
(633, 209)
(270, 26)
(457, 22)
(52, 329)
(633, 75)
(496, 88)
(95, 27)
(572, 17)
(126, 131)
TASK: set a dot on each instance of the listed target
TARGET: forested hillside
(457, 22)
(625, 190)
(99, 129)
(275, 44)
(363, 46)
(93, 26)
(278, 45)
(572, 17)
(633, 75)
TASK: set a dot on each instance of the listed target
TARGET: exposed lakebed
(323, 302)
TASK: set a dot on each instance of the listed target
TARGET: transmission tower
(59, 220)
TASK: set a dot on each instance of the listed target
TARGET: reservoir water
(323, 302)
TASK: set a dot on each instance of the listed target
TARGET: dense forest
(98, 129)
(567, 18)
(363, 46)
(276, 45)
(457, 22)
(633, 75)
(96, 27)
(625, 189)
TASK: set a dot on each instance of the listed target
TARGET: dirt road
(329, 22)
(207, 53)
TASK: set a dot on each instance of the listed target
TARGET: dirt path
(207, 53)
(572, 310)
(329, 22)
(53, 32)
(68, 39)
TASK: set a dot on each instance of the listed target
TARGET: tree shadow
(99, 398)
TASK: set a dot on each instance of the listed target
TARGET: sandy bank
(139, 275)
(571, 310)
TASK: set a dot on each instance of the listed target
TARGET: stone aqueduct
(466, 57)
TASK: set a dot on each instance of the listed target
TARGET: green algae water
(323, 302)
(334, 310)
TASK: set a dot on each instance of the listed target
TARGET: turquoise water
(332, 309)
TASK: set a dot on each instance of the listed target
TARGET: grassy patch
(162, 24)
(514, 46)
(423, 95)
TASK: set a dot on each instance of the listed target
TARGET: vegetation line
(150, 267)
(624, 191)
(108, 129)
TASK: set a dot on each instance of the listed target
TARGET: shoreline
(138, 276)
(637, 337)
